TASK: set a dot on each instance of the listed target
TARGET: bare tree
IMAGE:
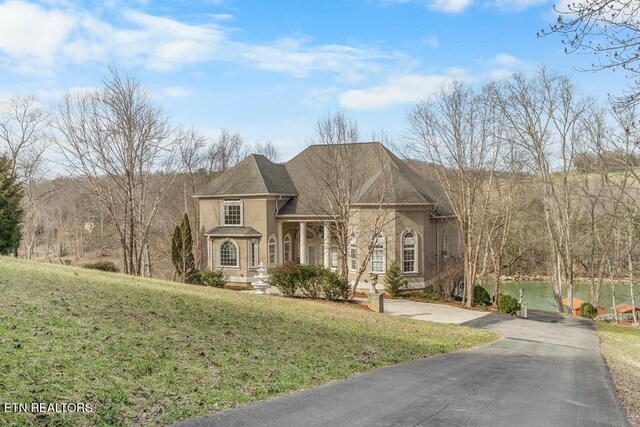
(346, 205)
(23, 128)
(192, 160)
(119, 145)
(542, 114)
(458, 132)
(267, 149)
(23, 123)
(505, 205)
(226, 151)
(608, 29)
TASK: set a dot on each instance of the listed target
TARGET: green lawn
(621, 348)
(152, 352)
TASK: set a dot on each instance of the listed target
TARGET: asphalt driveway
(546, 371)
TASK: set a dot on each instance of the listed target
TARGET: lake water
(539, 294)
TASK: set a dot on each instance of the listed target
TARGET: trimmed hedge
(310, 281)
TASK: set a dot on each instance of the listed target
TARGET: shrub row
(102, 266)
(310, 281)
(215, 278)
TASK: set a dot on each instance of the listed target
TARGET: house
(577, 302)
(625, 312)
(263, 212)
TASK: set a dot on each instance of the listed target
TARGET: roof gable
(382, 174)
(254, 175)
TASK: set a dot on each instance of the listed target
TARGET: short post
(375, 299)
(523, 305)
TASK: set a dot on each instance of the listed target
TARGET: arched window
(353, 253)
(409, 252)
(272, 250)
(287, 247)
(229, 254)
(379, 254)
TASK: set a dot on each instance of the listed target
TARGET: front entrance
(314, 245)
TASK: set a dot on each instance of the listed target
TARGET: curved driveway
(546, 371)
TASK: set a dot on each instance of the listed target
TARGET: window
(333, 258)
(272, 250)
(253, 253)
(228, 254)
(232, 213)
(445, 244)
(378, 256)
(409, 252)
(311, 255)
(353, 253)
(287, 247)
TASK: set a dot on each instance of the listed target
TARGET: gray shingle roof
(375, 167)
(254, 175)
(380, 173)
(233, 231)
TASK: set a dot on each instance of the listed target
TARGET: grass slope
(621, 348)
(152, 352)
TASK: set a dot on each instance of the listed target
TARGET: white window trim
(334, 250)
(232, 203)
(353, 242)
(284, 253)
(383, 242)
(257, 260)
(237, 266)
(415, 250)
(275, 250)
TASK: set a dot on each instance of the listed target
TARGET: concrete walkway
(546, 371)
(439, 313)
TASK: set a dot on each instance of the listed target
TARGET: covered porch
(307, 242)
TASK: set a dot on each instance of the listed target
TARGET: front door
(311, 254)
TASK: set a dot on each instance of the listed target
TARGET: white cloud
(55, 95)
(63, 35)
(223, 16)
(449, 6)
(32, 35)
(503, 65)
(402, 89)
(457, 6)
(431, 41)
(177, 91)
(299, 58)
(516, 5)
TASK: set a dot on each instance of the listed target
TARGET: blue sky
(270, 69)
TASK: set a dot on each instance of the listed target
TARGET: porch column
(280, 259)
(303, 243)
(327, 246)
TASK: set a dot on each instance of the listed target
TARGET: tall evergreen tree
(176, 250)
(189, 262)
(10, 209)
(182, 249)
